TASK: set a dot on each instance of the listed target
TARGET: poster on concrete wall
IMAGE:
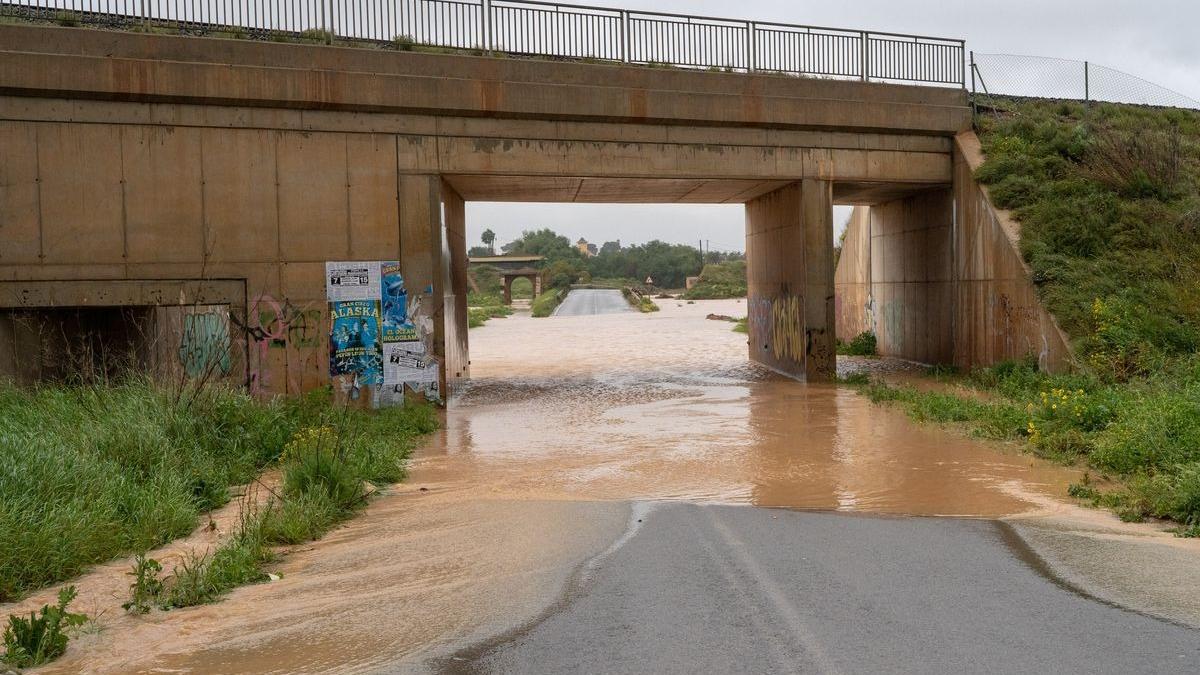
(397, 325)
(380, 338)
(354, 347)
(352, 280)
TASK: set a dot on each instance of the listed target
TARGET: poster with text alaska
(354, 345)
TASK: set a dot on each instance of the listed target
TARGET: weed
(42, 637)
(146, 588)
(862, 344)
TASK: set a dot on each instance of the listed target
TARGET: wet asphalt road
(727, 589)
(585, 301)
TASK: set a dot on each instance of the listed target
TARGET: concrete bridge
(171, 175)
(513, 267)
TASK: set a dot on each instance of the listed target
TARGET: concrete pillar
(454, 297)
(421, 250)
(817, 219)
(789, 250)
(508, 290)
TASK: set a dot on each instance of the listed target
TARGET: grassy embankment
(545, 304)
(640, 301)
(719, 281)
(89, 473)
(1108, 198)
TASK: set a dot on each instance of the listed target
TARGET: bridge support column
(789, 250)
(454, 286)
(431, 225)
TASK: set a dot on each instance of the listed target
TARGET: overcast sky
(1154, 39)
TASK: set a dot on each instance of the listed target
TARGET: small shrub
(146, 588)
(66, 19)
(403, 43)
(42, 637)
(319, 35)
(863, 344)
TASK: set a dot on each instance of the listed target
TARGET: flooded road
(667, 406)
(572, 432)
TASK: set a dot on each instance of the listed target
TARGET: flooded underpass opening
(668, 406)
(671, 405)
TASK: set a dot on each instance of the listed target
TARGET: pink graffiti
(270, 323)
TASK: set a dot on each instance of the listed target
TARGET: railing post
(1087, 92)
(865, 57)
(972, 71)
(751, 45)
(327, 10)
(963, 50)
(488, 42)
(625, 36)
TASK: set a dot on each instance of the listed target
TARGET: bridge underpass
(160, 171)
(789, 245)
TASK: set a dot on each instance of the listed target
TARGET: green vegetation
(725, 279)
(1108, 197)
(742, 325)
(91, 472)
(42, 637)
(1145, 432)
(544, 304)
(1109, 205)
(639, 300)
(862, 344)
(328, 473)
(477, 316)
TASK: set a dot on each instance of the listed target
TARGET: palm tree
(489, 238)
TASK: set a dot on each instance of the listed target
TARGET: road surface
(585, 301)
(733, 589)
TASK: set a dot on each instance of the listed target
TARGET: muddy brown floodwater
(567, 424)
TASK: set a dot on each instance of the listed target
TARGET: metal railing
(537, 28)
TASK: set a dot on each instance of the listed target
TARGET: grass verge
(1142, 433)
(545, 304)
(477, 316)
(89, 473)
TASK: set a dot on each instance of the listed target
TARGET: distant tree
(544, 242)
(479, 252)
(610, 248)
(489, 240)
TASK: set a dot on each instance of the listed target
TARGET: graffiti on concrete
(204, 344)
(787, 321)
(778, 322)
(274, 324)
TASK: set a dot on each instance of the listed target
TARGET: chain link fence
(1013, 75)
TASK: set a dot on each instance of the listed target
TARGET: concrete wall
(854, 310)
(999, 315)
(911, 277)
(939, 278)
(789, 250)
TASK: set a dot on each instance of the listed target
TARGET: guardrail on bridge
(546, 29)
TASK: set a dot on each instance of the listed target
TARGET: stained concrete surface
(586, 301)
(730, 589)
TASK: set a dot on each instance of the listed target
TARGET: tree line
(668, 265)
